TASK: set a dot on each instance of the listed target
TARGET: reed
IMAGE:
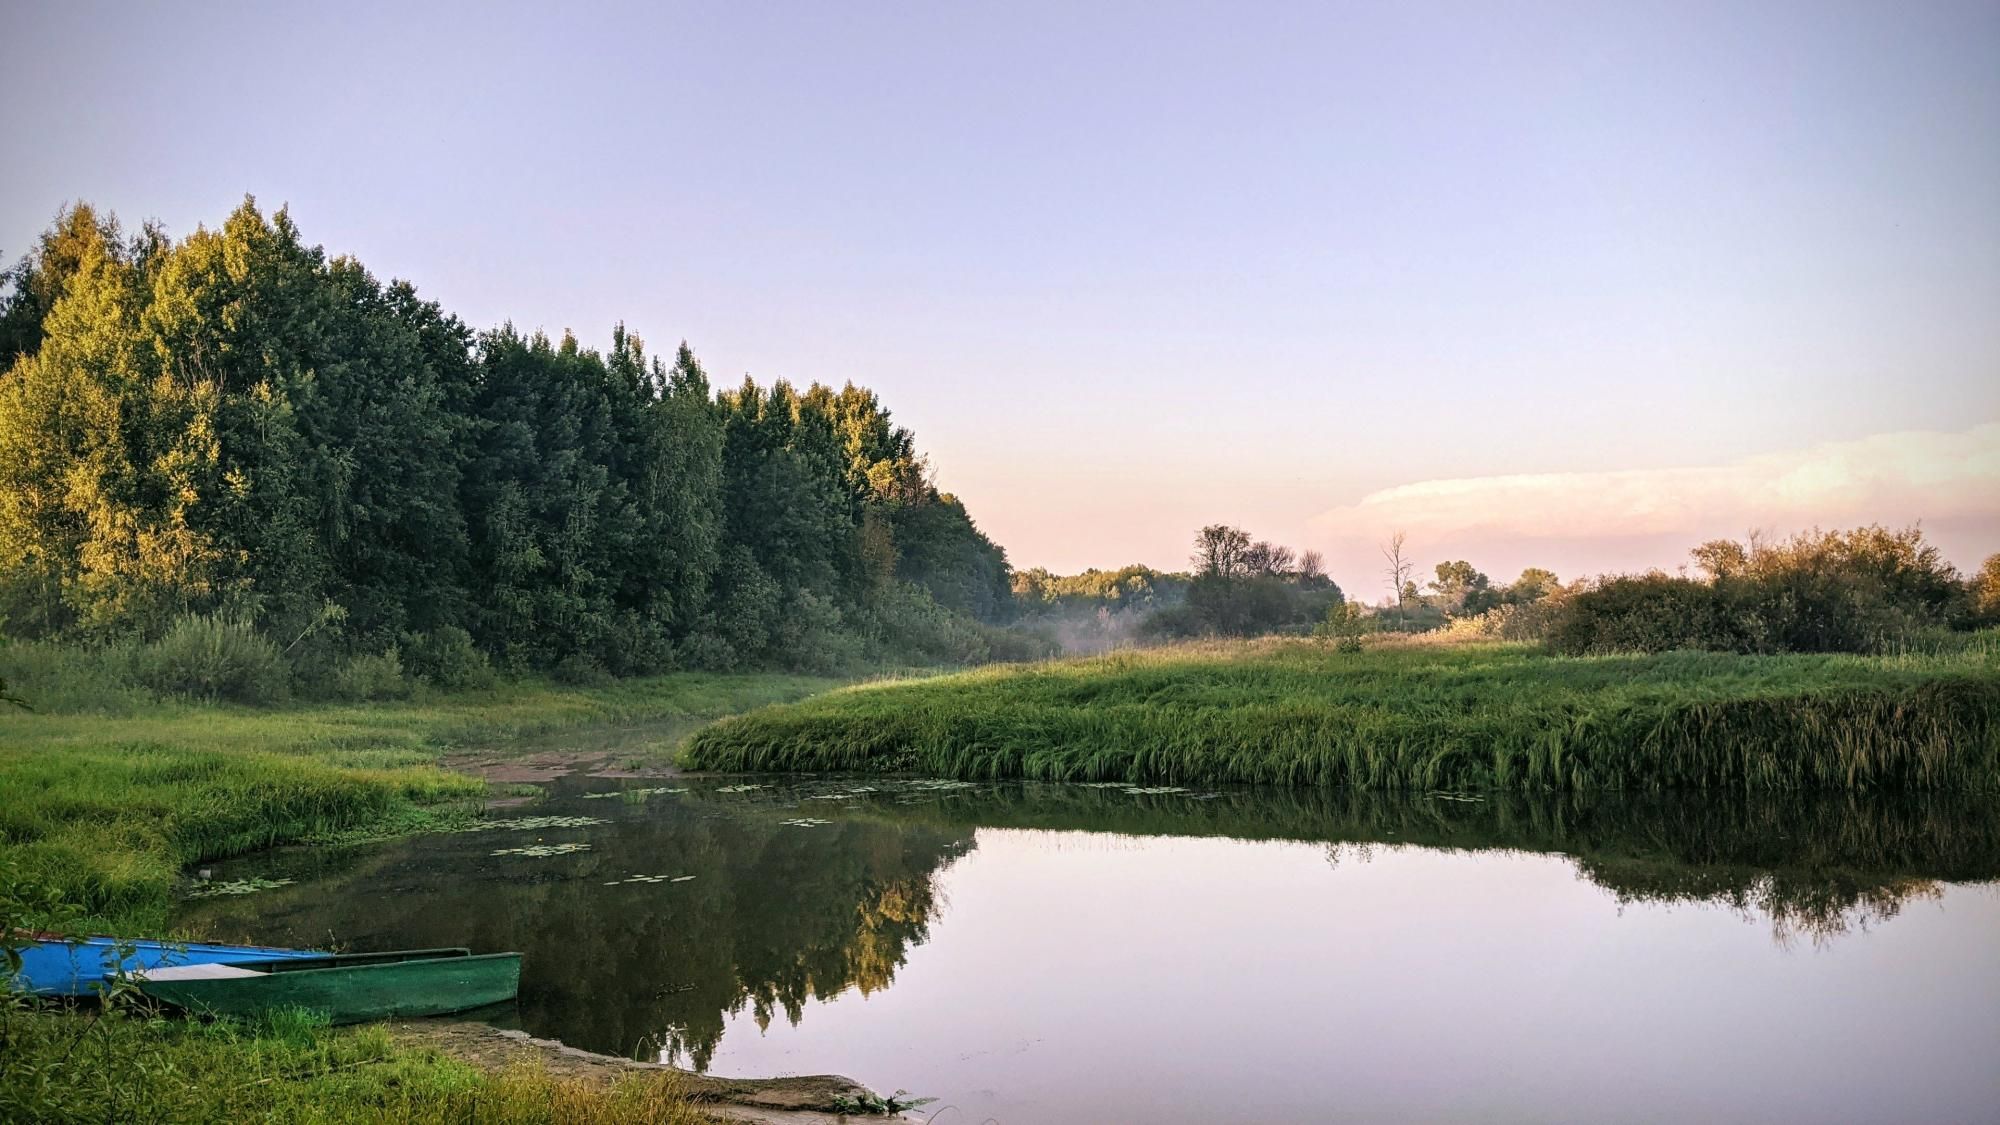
(1413, 717)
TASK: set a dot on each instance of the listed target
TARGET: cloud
(1893, 478)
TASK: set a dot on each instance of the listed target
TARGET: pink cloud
(1950, 481)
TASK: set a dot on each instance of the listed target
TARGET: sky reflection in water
(1057, 954)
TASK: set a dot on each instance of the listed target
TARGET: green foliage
(1984, 592)
(1462, 591)
(446, 658)
(1409, 717)
(870, 1104)
(125, 1064)
(578, 670)
(1245, 588)
(1344, 625)
(1867, 590)
(1246, 605)
(108, 809)
(240, 423)
(212, 657)
(365, 676)
(64, 677)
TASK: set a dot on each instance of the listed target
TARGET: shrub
(448, 659)
(1867, 590)
(810, 636)
(212, 657)
(61, 678)
(366, 676)
(908, 626)
(1242, 606)
(1343, 625)
(1509, 621)
(1983, 592)
(579, 670)
(1646, 613)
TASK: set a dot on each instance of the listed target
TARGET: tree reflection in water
(780, 913)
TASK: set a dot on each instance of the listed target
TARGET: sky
(1569, 285)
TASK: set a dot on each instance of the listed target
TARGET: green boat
(348, 988)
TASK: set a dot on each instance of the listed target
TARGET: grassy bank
(109, 808)
(120, 1066)
(104, 808)
(1409, 717)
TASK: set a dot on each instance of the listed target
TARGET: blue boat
(61, 967)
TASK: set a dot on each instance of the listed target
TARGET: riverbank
(1408, 716)
(108, 810)
(101, 813)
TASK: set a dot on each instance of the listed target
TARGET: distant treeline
(235, 448)
(1865, 590)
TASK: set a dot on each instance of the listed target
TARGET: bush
(810, 636)
(578, 670)
(1646, 613)
(1242, 606)
(446, 658)
(1343, 625)
(1868, 590)
(1983, 592)
(212, 657)
(1509, 621)
(367, 676)
(59, 678)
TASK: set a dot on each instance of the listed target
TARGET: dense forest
(237, 464)
(244, 459)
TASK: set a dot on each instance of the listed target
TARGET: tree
(1312, 570)
(1399, 569)
(1986, 591)
(1220, 550)
(1269, 559)
(1462, 591)
(1534, 584)
(42, 276)
(1721, 558)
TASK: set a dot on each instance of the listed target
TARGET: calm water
(1077, 954)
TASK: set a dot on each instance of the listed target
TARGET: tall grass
(119, 1066)
(1409, 717)
(109, 808)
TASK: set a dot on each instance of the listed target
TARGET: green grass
(120, 1066)
(105, 806)
(109, 808)
(1409, 716)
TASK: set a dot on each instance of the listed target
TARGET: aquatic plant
(872, 1104)
(535, 823)
(630, 794)
(1461, 718)
(236, 887)
(542, 851)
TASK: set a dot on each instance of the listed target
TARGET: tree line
(237, 434)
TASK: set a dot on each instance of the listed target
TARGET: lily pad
(237, 887)
(542, 851)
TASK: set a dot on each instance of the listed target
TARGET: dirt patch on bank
(804, 1100)
(546, 765)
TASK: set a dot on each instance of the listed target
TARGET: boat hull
(59, 967)
(353, 989)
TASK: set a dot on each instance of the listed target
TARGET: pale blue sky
(1128, 269)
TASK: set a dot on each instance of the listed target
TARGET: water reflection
(802, 892)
